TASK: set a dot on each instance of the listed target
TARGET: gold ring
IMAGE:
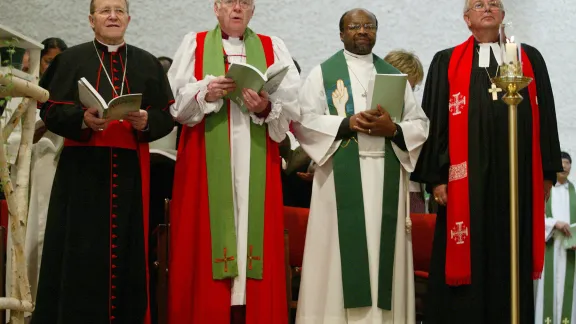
(436, 198)
(369, 131)
(224, 92)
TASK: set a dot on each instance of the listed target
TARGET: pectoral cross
(226, 259)
(251, 257)
(494, 91)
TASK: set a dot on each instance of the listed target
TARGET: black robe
(93, 264)
(487, 299)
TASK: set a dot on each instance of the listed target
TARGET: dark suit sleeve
(344, 130)
(399, 140)
(62, 113)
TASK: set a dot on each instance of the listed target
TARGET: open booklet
(570, 242)
(247, 76)
(116, 109)
(387, 90)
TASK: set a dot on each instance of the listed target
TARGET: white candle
(511, 53)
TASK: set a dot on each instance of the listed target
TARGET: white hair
(218, 2)
(93, 6)
(467, 5)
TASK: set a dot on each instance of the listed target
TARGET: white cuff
(273, 115)
(275, 112)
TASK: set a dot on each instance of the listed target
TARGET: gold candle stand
(511, 81)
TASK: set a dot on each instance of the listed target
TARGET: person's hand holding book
(218, 88)
(375, 123)
(255, 102)
(138, 119)
(92, 120)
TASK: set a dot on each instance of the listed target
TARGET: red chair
(295, 223)
(422, 238)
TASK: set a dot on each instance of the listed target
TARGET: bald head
(355, 11)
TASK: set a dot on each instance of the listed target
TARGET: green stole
(219, 170)
(549, 285)
(350, 201)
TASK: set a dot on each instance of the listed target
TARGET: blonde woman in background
(409, 63)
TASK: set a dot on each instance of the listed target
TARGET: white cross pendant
(494, 91)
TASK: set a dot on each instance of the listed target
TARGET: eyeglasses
(120, 12)
(491, 6)
(367, 27)
(244, 4)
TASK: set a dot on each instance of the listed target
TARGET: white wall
(310, 30)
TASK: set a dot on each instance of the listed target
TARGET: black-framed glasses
(367, 27)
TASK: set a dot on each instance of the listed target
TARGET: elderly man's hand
(218, 88)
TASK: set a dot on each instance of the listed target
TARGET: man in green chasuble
(358, 253)
(226, 234)
(554, 292)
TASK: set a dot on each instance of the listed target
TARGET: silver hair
(467, 5)
(93, 7)
(218, 2)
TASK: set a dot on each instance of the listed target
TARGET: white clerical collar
(233, 40)
(484, 54)
(112, 48)
(366, 57)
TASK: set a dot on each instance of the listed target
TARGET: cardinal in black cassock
(465, 165)
(94, 258)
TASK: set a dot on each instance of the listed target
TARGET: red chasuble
(194, 296)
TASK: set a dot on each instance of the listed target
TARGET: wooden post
(288, 270)
(162, 239)
(19, 299)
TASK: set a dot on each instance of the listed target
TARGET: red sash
(458, 267)
(117, 135)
